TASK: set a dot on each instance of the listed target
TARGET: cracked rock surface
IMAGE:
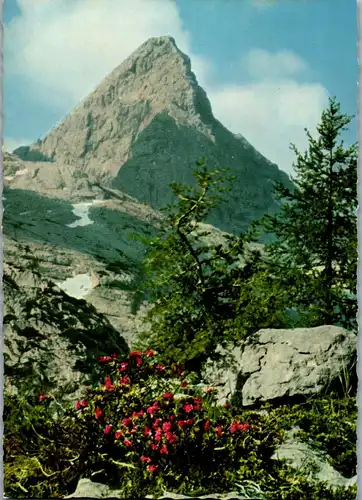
(283, 363)
(301, 361)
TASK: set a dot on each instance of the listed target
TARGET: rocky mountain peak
(160, 73)
(156, 78)
(145, 126)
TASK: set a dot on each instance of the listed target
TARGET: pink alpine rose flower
(135, 354)
(171, 438)
(98, 413)
(166, 426)
(164, 450)
(118, 434)
(188, 408)
(123, 366)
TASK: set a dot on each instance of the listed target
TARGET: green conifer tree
(201, 290)
(314, 253)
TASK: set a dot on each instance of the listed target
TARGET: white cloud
(274, 109)
(262, 64)
(271, 115)
(10, 143)
(66, 47)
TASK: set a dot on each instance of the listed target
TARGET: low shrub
(143, 430)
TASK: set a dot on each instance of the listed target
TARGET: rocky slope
(145, 126)
(51, 340)
(81, 242)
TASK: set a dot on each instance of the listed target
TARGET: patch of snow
(81, 210)
(8, 177)
(78, 286)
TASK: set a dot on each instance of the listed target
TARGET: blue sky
(268, 68)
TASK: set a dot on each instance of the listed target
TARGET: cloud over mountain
(64, 48)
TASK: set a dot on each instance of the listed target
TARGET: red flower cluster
(108, 384)
(152, 409)
(124, 380)
(151, 425)
(237, 426)
(166, 426)
(135, 354)
(108, 429)
(137, 414)
(118, 434)
(188, 408)
(218, 430)
(197, 404)
(98, 413)
(80, 404)
(147, 432)
(122, 367)
(182, 423)
(104, 359)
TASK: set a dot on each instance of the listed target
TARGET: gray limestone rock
(145, 126)
(87, 489)
(298, 362)
(303, 456)
(283, 363)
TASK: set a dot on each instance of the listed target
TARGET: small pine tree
(314, 253)
(197, 288)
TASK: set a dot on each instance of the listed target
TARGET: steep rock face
(145, 126)
(51, 341)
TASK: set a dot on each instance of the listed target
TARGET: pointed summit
(156, 78)
(146, 125)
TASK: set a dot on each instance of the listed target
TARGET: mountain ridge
(144, 127)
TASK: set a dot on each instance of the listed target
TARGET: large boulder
(277, 364)
(307, 457)
(298, 362)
